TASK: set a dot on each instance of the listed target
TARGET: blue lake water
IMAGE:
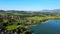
(49, 27)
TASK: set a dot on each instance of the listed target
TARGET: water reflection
(50, 27)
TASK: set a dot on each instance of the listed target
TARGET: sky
(29, 5)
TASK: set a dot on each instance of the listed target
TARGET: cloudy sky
(29, 5)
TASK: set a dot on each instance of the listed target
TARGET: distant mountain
(45, 10)
(55, 10)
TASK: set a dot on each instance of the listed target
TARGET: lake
(49, 27)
